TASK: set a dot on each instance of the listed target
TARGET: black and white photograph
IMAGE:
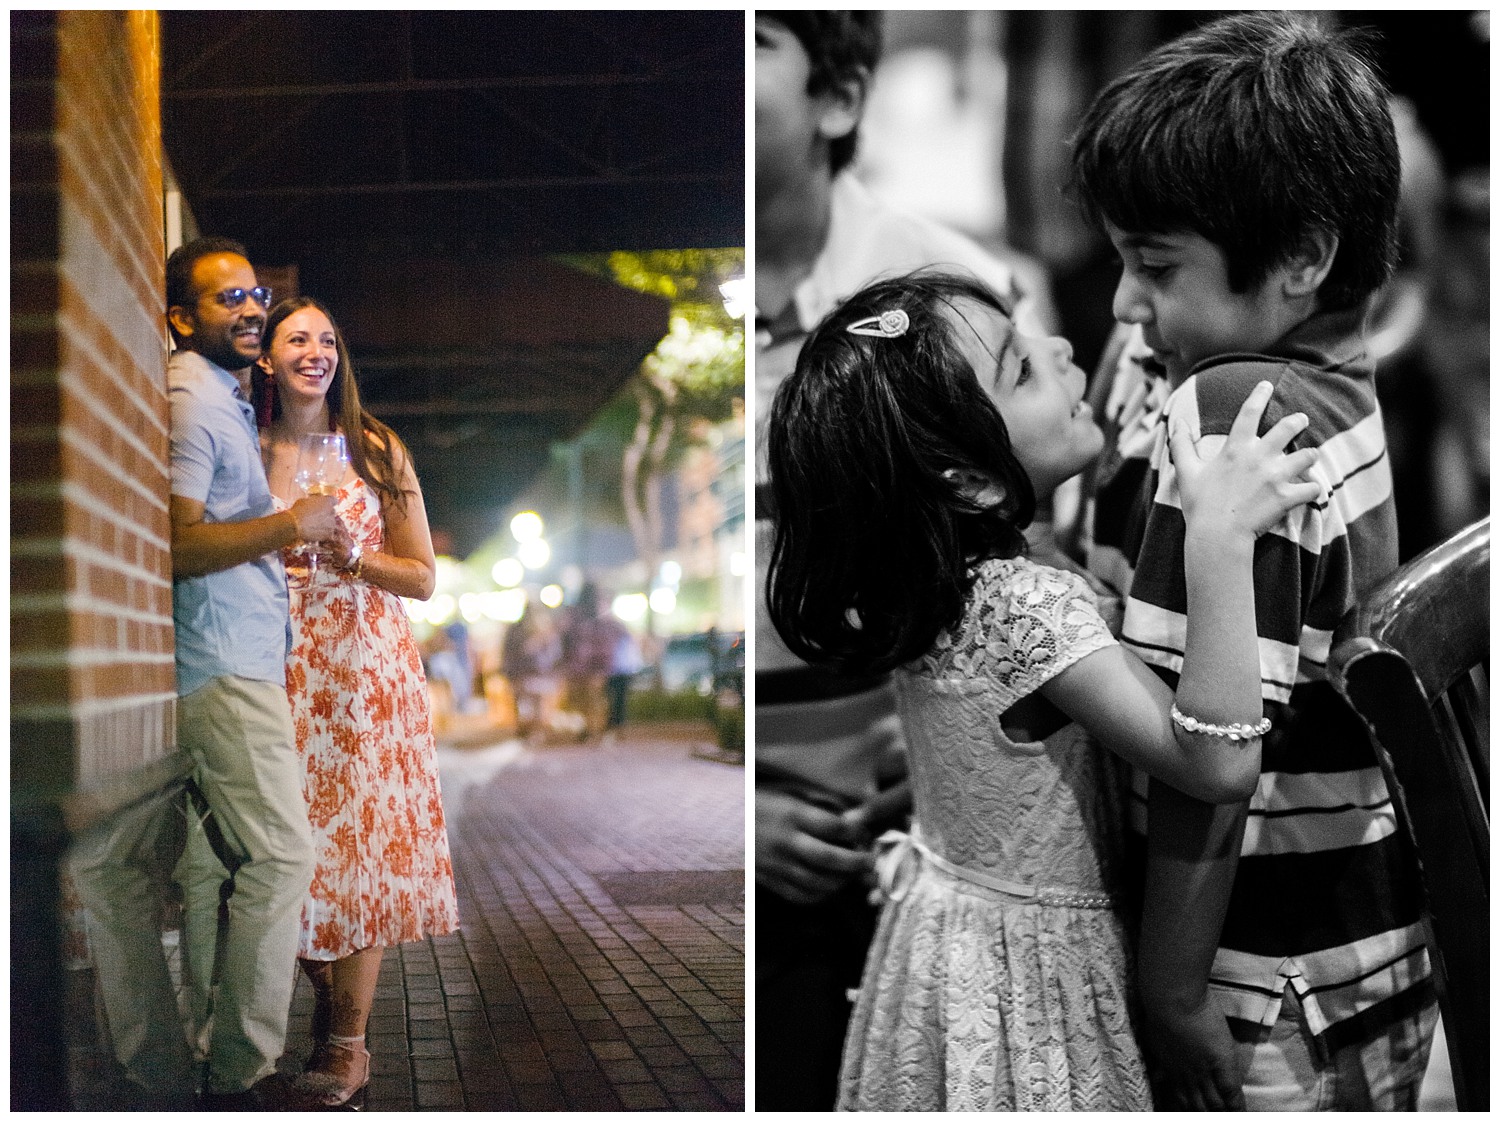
(1121, 443)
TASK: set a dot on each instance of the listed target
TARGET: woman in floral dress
(359, 699)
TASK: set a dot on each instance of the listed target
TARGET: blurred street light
(552, 595)
(534, 553)
(508, 572)
(630, 607)
(507, 606)
(526, 526)
(735, 292)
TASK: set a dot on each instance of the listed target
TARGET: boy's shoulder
(1322, 368)
(1221, 386)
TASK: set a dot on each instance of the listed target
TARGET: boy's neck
(791, 228)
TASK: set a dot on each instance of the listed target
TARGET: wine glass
(322, 459)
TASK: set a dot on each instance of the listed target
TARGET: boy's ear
(843, 104)
(1310, 263)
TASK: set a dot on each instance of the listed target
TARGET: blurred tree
(696, 372)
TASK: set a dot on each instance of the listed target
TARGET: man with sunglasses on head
(248, 839)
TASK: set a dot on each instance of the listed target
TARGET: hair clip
(887, 325)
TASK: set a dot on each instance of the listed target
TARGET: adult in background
(588, 647)
(529, 658)
(625, 662)
(249, 840)
(359, 700)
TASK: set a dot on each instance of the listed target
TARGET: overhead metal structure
(418, 171)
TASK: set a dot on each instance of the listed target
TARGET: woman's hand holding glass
(322, 461)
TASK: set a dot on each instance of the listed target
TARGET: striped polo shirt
(1326, 896)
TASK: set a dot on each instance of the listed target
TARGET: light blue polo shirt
(234, 621)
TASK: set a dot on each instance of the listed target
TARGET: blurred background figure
(625, 662)
(588, 650)
(446, 679)
(463, 654)
(529, 658)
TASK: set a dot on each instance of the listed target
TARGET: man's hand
(341, 545)
(316, 521)
(1194, 1054)
(804, 853)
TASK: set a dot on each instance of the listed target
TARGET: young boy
(1247, 175)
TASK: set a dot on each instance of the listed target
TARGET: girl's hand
(1250, 484)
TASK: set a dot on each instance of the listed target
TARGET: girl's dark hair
(874, 544)
(373, 445)
(1252, 131)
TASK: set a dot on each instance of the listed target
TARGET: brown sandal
(323, 1085)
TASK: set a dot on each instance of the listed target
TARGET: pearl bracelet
(1231, 732)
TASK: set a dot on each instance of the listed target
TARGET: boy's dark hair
(873, 541)
(841, 46)
(1251, 131)
(180, 268)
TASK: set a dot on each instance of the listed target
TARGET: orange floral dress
(364, 734)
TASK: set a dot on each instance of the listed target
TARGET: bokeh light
(526, 526)
(508, 572)
(534, 554)
(552, 595)
(630, 607)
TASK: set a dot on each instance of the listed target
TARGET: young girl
(907, 453)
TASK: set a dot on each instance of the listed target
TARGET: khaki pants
(239, 735)
(120, 868)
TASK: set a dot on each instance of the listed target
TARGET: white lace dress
(1000, 975)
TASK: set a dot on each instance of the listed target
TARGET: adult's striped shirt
(1326, 896)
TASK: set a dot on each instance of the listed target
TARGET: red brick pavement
(600, 965)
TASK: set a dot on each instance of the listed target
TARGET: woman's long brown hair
(373, 445)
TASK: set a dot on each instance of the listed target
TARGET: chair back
(1412, 659)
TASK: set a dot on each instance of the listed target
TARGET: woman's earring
(267, 402)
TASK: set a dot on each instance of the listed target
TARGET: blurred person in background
(529, 658)
(625, 662)
(829, 753)
(588, 648)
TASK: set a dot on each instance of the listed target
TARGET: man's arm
(1193, 849)
(200, 547)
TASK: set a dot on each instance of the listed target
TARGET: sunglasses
(232, 298)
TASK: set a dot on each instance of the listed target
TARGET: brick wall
(92, 686)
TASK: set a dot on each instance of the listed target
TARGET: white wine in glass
(322, 459)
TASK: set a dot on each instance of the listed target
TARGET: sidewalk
(601, 963)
